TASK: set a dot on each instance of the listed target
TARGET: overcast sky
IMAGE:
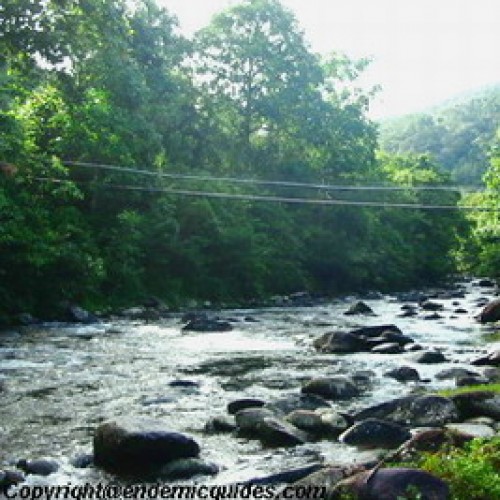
(424, 51)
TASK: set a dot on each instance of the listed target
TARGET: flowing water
(62, 381)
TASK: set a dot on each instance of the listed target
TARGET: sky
(423, 51)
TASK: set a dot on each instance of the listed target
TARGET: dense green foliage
(112, 82)
(471, 472)
(458, 135)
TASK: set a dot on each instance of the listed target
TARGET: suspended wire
(259, 182)
(276, 199)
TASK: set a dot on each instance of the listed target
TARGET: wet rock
(322, 480)
(376, 331)
(485, 283)
(207, 325)
(469, 380)
(80, 315)
(241, 404)
(340, 343)
(9, 478)
(412, 297)
(136, 444)
(431, 440)
(433, 316)
(429, 357)
(249, 419)
(408, 313)
(83, 461)
(38, 467)
(491, 313)
(460, 310)
(475, 430)
(416, 411)
(286, 405)
(387, 348)
(413, 348)
(219, 425)
(321, 422)
(392, 484)
(186, 468)
(287, 476)
(403, 374)
(431, 306)
(26, 319)
(492, 374)
(491, 359)
(276, 433)
(184, 384)
(375, 433)
(478, 404)
(451, 373)
(338, 387)
(359, 308)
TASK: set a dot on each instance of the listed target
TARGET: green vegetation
(471, 472)
(112, 82)
(470, 388)
(458, 135)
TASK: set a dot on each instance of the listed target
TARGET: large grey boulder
(490, 313)
(415, 411)
(478, 404)
(129, 444)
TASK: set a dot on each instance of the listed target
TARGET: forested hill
(215, 148)
(458, 133)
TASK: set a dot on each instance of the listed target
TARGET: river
(62, 381)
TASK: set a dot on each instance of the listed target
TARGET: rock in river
(338, 387)
(417, 411)
(403, 374)
(375, 433)
(241, 404)
(129, 444)
(491, 313)
(359, 308)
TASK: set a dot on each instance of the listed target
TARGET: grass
(494, 387)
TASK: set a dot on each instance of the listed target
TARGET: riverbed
(61, 381)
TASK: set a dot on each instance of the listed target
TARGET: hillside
(458, 133)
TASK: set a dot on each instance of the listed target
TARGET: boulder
(403, 374)
(359, 308)
(338, 387)
(429, 357)
(416, 411)
(129, 444)
(249, 419)
(9, 478)
(453, 373)
(80, 315)
(321, 422)
(38, 467)
(186, 468)
(219, 425)
(241, 404)
(207, 325)
(82, 461)
(490, 313)
(286, 405)
(428, 305)
(491, 359)
(376, 331)
(478, 404)
(392, 484)
(340, 343)
(475, 430)
(469, 380)
(276, 433)
(375, 433)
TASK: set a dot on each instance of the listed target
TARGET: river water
(63, 381)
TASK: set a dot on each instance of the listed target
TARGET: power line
(259, 182)
(278, 199)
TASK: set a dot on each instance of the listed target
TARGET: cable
(279, 199)
(258, 182)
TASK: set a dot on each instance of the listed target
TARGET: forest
(137, 163)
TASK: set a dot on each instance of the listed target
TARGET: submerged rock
(129, 444)
(207, 325)
(241, 404)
